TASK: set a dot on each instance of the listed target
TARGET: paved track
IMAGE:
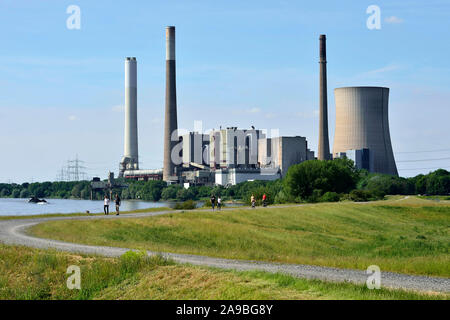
(13, 232)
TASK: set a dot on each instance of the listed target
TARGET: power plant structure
(130, 160)
(229, 156)
(323, 152)
(170, 122)
(362, 124)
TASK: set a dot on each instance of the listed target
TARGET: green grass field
(401, 235)
(33, 274)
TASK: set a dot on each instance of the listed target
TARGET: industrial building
(363, 158)
(234, 148)
(195, 149)
(362, 123)
(231, 155)
(282, 152)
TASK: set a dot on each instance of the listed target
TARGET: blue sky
(239, 63)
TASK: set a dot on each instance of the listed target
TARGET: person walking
(252, 199)
(264, 198)
(219, 203)
(117, 200)
(106, 205)
(213, 201)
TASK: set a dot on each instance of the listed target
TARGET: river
(21, 207)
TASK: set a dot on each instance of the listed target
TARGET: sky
(239, 63)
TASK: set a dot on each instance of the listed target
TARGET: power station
(362, 123)
(231, 155)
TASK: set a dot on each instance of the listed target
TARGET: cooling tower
(362, 123)
(130, 159)
(324, 144)
(170, 122)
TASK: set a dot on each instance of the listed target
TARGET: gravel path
(13, 232)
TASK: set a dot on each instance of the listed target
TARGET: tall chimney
(324, 144)
(130, 159)
(170, 124)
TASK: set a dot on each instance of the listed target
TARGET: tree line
(309, 181)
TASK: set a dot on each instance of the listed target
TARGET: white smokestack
(130, 155)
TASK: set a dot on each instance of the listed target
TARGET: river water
(21, 207)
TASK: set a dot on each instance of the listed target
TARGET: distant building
(283, 152)
(234, 148)
(362, 123)
(233, 176)
(363, 158)
(195, 149)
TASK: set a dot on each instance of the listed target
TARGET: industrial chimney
(130, 159)
(170, 124)
(324, 144)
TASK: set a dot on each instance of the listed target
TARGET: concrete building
(170, 121)
(234, 148)
(362, 158)
(282, 152)
(362, 123)
(310, 154)
(143, 175)
(233, 176)
(324, 144)
(130, 159)
(195, 149)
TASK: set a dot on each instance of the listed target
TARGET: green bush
(330, 197)
(309, 180)
(186, 205)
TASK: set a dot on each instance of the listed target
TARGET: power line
(418, 160)
(435, 168)
(441, 150)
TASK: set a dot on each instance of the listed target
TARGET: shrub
(186, 205)
(330, 197)
(311, 179)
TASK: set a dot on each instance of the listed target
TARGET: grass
(400, 235)
(79, 214)
(32, 274)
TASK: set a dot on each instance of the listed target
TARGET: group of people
(215, 203)
(106, 204)
(253, 200)
(218, 203)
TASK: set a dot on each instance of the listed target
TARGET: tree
(319, 177)
(15, 193)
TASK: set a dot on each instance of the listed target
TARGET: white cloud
(387, 68)
(393, 20)
(73, 118)
(254, 110)
(307, 114)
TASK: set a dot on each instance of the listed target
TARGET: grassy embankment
(41, 274)
(401, 235)
(79, 214)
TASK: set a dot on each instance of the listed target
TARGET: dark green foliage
(330, 197)
(311, 179)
